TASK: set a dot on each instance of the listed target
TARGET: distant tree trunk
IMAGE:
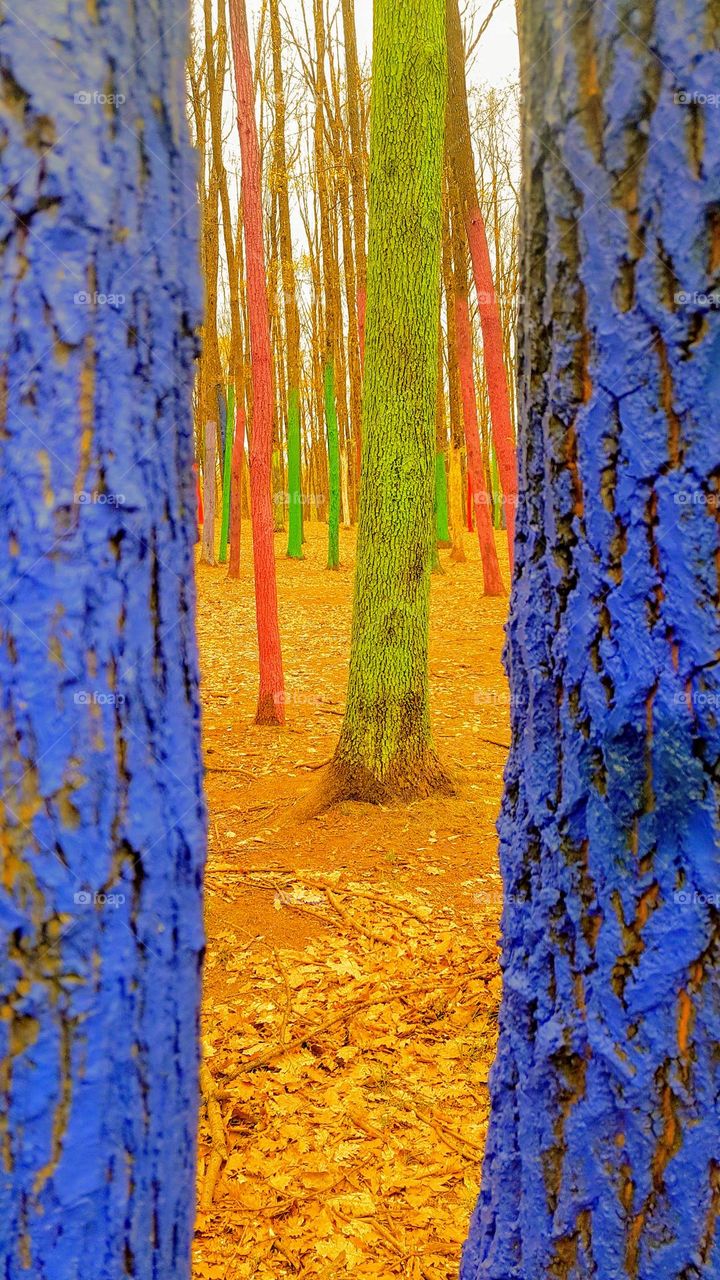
(236, 492)
(478, 496)
(271, 700)
(440, 492)
(318, 444)
(103, 827)
(227, 475)
(278, 485)
(292, 316)
(200, 506)
(245, 383)
(203, 96)
(221, 406)
(385, 746)
(341, 403)
(603, 1153)
(455, 503)
(442, 531)
(209, 483)
(215, 70)
(460, 153)
(333, 445)
(356, 164)
(344, 488)
(210, 357)
(456, 519)
(343, 166)
(331, 315)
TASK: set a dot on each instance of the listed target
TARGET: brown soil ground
(384, 918)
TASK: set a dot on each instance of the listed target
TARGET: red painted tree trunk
(236, 493)
(476, 473)
(271, 700)
(498, 392)
(460, 153)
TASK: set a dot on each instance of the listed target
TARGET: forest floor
(351, 981)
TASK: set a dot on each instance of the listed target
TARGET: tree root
(342, 781)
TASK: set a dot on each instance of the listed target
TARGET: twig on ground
(228, 768)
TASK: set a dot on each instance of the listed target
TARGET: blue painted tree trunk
(229, 438)
(603, 1153)
(102, 820)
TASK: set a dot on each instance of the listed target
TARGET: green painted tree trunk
(333, 469)
(385, 746)
(295, 527)
(497, 496)
(207, 555)
(442, 531)
(227, 475)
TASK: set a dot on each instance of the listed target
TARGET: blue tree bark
(603, 1152)
(102, 822)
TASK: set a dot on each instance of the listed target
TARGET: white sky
(495, 61)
